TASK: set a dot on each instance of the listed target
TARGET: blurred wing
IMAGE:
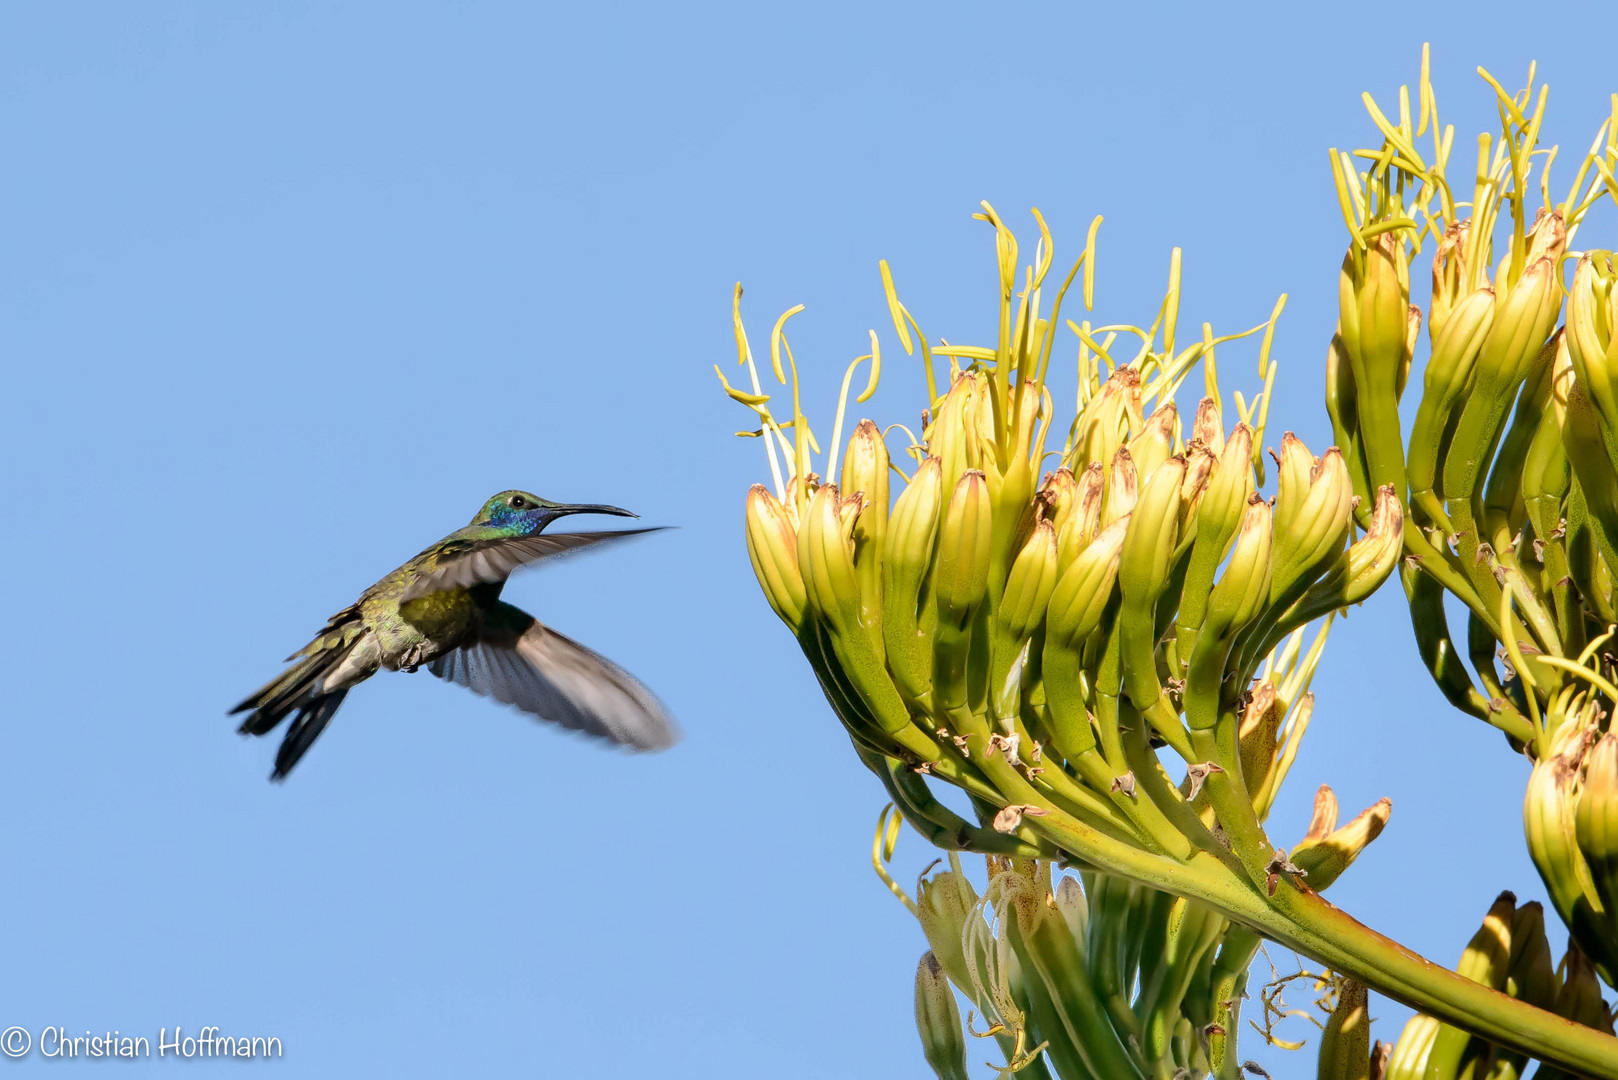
(523, 663)
(490, 561)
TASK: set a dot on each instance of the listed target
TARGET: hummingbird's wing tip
(554, 678)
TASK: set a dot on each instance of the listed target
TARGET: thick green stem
(1303, 921)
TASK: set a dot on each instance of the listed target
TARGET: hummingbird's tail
(314, 686)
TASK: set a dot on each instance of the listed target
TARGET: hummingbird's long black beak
(554, 512)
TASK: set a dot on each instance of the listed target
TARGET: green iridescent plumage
(442, 610)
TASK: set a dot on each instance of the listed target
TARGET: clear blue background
(286, 292)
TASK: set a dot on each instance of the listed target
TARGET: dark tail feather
(287, 691)
(306, 727)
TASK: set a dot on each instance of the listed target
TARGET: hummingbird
(442, 610)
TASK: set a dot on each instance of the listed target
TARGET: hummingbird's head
(521, 513)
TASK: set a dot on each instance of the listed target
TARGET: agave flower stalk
(1511, 465)
(1080, 651)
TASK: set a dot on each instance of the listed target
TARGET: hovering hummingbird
(442, 609)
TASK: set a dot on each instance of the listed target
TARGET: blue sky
(287, 292)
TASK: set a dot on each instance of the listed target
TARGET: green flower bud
(954, 436)
(826, 559)
(1546, 472)
(1149, 542)
(1057, 497)
(1455, 352)
(1523, 319)
(1531, 973)
(1592, 332)
(1312, 518)
(1374, 322)
(1547, 239)
(865, 473)
(1242, 589)
(1360, 570)
(960, 577)
(1209, 427)
(1580, 997)
(1218, 516)
(1292, 478)
(1155, 443)
(1123, 487)
(960, 584)
(1345, 1041)
(1596, 819)
(945, 902)
(1099, 430)
(772, 546)
(938, 1020)
(1449, 275)
(1342, 405)
(1084, 521)
(1082, 590)
(907, 616)
(1374, 298)
(1326, 849)
(1550, 822)
(1199, 466)
(1229, 487)
(1029, 585)
(1486, 960)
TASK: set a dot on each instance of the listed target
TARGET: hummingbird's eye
(517, 502)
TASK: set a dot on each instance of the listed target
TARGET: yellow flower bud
(908, 557)
(1311, 524)
(1375, 309)
(1592, 332)
(1229, 487)
(1531, 976)
(1085, 519)
(1547, 239)
(865, 473)
(1123, 487)
(772, 545)
(826, 559)
(1155, 442)
(1327, 850)
(1449, 275)
(1199, 466)
(1029, 585)
(1596, 819)
(1099, 430)
(1523, 319)
(1149, 542)
(1240, 593)
(954, 437)
(1056, 498)
(1209, 427)
(1082, 590)
(961, 575)
(1219, 514)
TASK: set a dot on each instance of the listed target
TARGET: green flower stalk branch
(1511, 464)
(1088, 655)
